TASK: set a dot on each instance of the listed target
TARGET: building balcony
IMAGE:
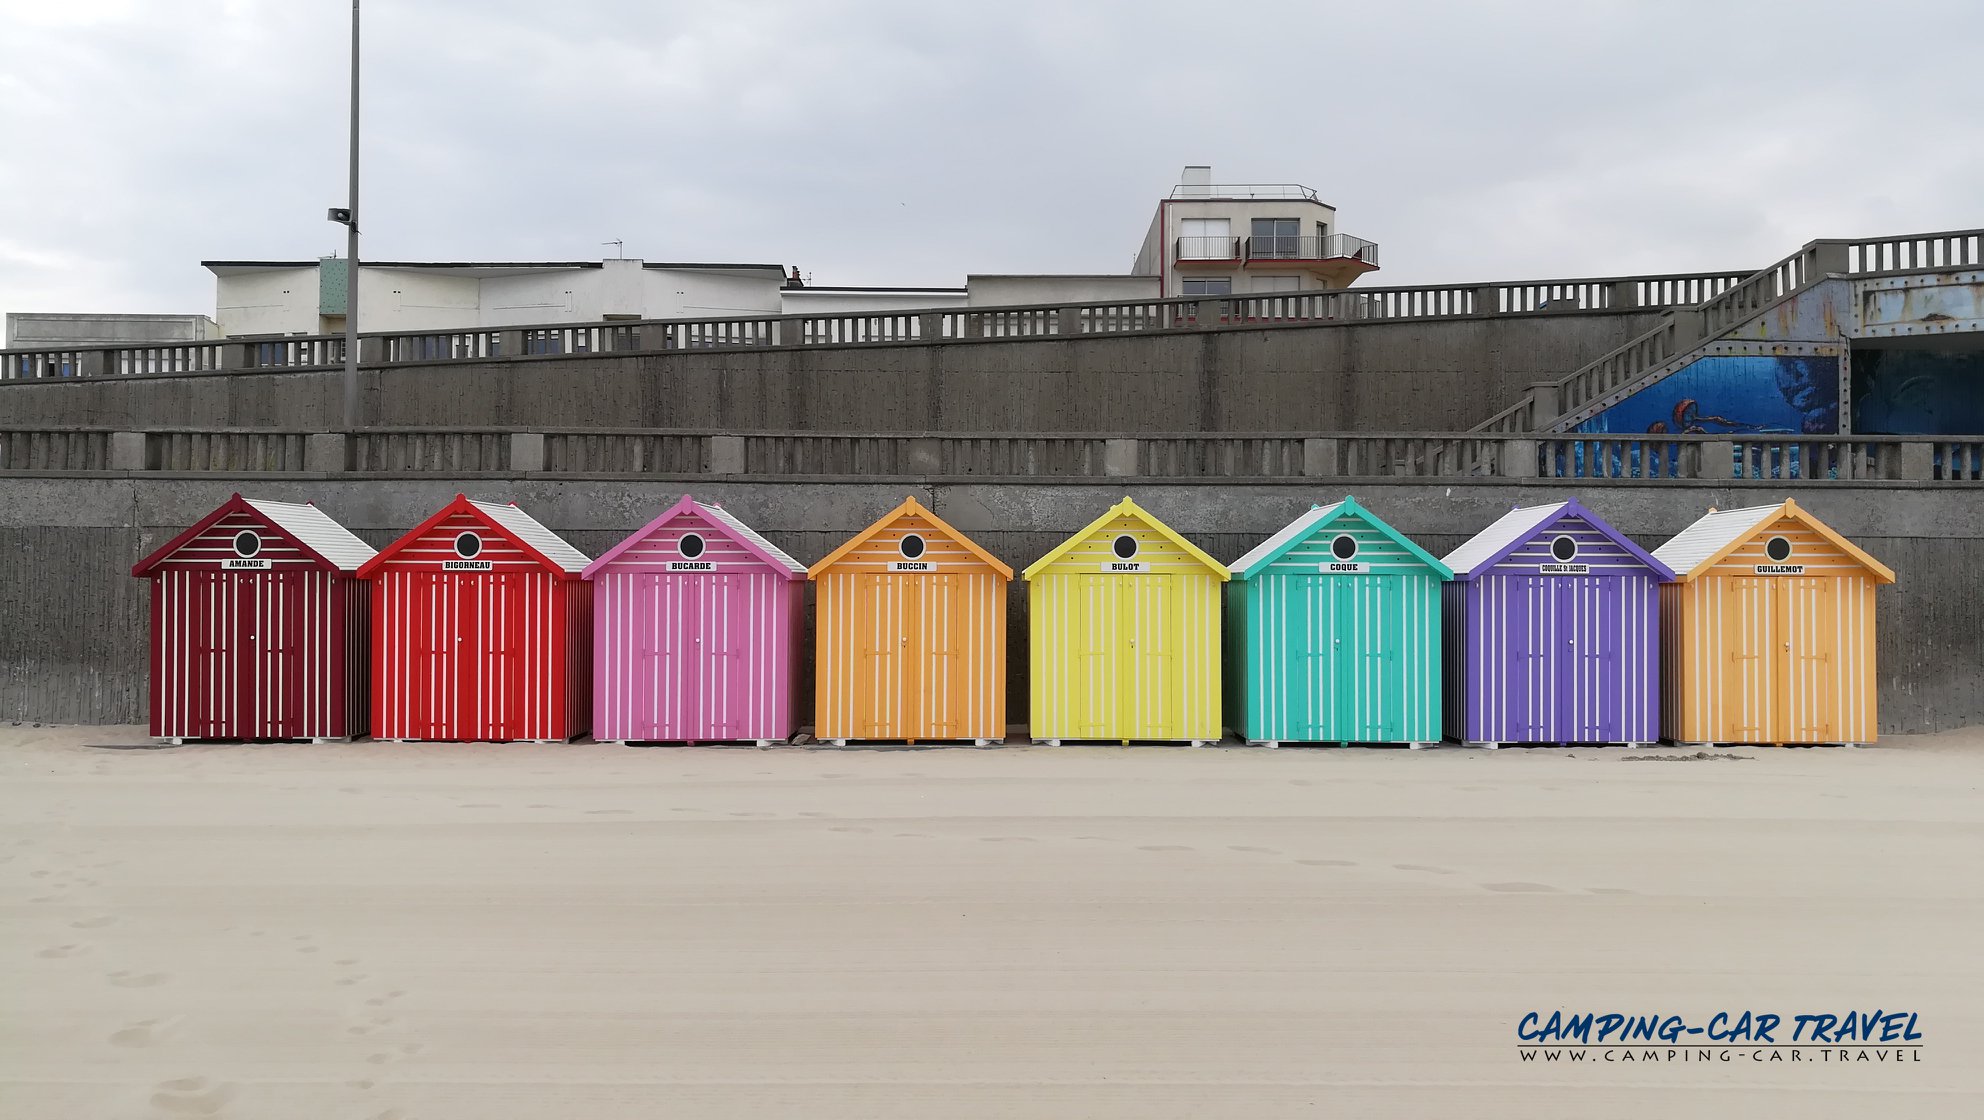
(1206, 250)
(1265, 192)
(1338, 258)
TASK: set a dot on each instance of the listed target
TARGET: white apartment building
(1214, 239)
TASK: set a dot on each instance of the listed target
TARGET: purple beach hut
(1551, 632)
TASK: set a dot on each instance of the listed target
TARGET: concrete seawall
(1410, 375)
(74, 647)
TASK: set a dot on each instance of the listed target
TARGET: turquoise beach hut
(1333, 633)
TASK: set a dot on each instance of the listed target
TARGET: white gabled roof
(724, 516)
(1710, 534)
(1511, 528)
(1291, 531)
(317, 532)
(526, 529)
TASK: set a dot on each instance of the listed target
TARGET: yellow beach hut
(1768, 630)
(1125, 635)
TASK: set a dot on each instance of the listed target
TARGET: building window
(1207, 285)
(690, 546)
(1276, 237)
(1205, 239)
(1277, 283)
(1124, 546)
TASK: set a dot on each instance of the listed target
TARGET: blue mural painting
(1718, 395)
(1722, 394)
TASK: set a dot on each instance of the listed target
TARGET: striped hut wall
(1779, 658)
(1676, 636)
(474, 656)
(692, 656)
(1240, 698)
(910, 655)
(1094, 675)
(1561, 659)
(352, 661)
(1394, 607)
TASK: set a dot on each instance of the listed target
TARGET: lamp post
(348, 216)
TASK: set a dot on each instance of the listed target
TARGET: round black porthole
(1125, 547)
(1344, 547)
(468, 546)
(1778, 549)
(911, 547)
(247, 543)
(1563, 550)
(690, 546)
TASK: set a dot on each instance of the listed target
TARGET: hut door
(433, 651)
(1533, 642)
(1368, 686)
(719, 607)
(1152, 696)
(932, 700)
(1806, 694)
(275, 625)
(495, 698)
(220, 678)
(1589, 704)
(657, 618)
(884, 637)
(1096, 628)
(1308, 617)
(1749, 690)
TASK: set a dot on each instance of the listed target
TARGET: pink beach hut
(696, 632)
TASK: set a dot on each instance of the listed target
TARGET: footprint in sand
(802, 814)
(1327, 862)
(385, 1056)
(347, 961)
(539, 805)
(98, 922)
(1519, 888)
(1002, 839)
(63, 951)
(841, 828)
(381, 1001)
(1609, 890)
(481, 805)
(614, 812)
(389, 1114)
(192, 1096)
(1162, 848)
(1423, 867)
(361, 1083)
(145, 1032)
(912, 836)
(351, 981)
(1251, 848)
(125, 979)
(38, 874)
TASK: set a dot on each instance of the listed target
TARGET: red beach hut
(482, 629)
(259, 626)
(696, 632)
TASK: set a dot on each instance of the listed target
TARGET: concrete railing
(1675, 341)
(652, 453)
(893, 328)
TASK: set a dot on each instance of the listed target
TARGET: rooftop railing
(1266, 192)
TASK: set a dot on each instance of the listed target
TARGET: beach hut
(1551, 632)
(1768, 635)
(1333, 633)
(481, 629)
(696, 629)
(259, 626)
(1125, 634)
(910, 624)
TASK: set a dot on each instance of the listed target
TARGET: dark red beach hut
(482, 629)
(259, 626)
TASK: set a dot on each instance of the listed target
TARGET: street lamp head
(339, 214)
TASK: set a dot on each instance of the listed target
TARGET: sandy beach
(489, 932)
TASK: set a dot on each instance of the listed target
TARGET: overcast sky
(912, 143)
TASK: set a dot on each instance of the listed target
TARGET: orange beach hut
(1768, 632)
(910, 625)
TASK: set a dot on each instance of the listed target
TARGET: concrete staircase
(1745, 316)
